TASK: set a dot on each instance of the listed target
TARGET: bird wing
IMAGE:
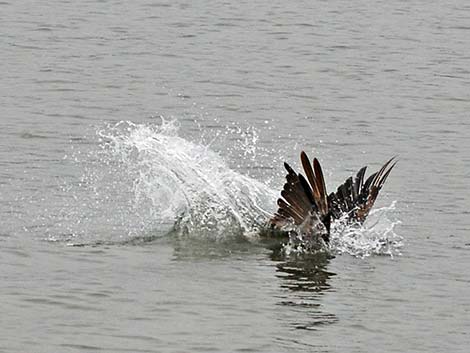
(301, 196)
(355, 197)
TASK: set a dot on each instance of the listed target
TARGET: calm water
(89, 260)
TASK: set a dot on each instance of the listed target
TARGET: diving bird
(306, 211)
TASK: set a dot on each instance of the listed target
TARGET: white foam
(177, 179)
(375, 237)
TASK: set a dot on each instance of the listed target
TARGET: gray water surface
(352, 83)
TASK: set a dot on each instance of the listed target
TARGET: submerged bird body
(306, 211)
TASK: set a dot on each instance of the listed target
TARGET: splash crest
(176, 179)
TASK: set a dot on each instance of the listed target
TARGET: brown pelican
(306, 211)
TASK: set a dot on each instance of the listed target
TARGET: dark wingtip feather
(321, 185)
(378, 176)
(307, 189)
(288, 167)
(308, 169)
(386, 174)
(359, 180)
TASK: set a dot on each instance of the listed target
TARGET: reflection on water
(306, 273)
(304, 280)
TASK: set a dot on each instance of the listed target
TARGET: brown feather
(305, 197)
(289, 210)
(358, 181)
(295, 188)
(375, 186)
(308, 191)
(385, 176)
(379, 174)
(320, 181)
(310, 174)
(294, 202)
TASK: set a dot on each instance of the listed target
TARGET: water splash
(375, 237)
(145, 180)
(176, 179)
